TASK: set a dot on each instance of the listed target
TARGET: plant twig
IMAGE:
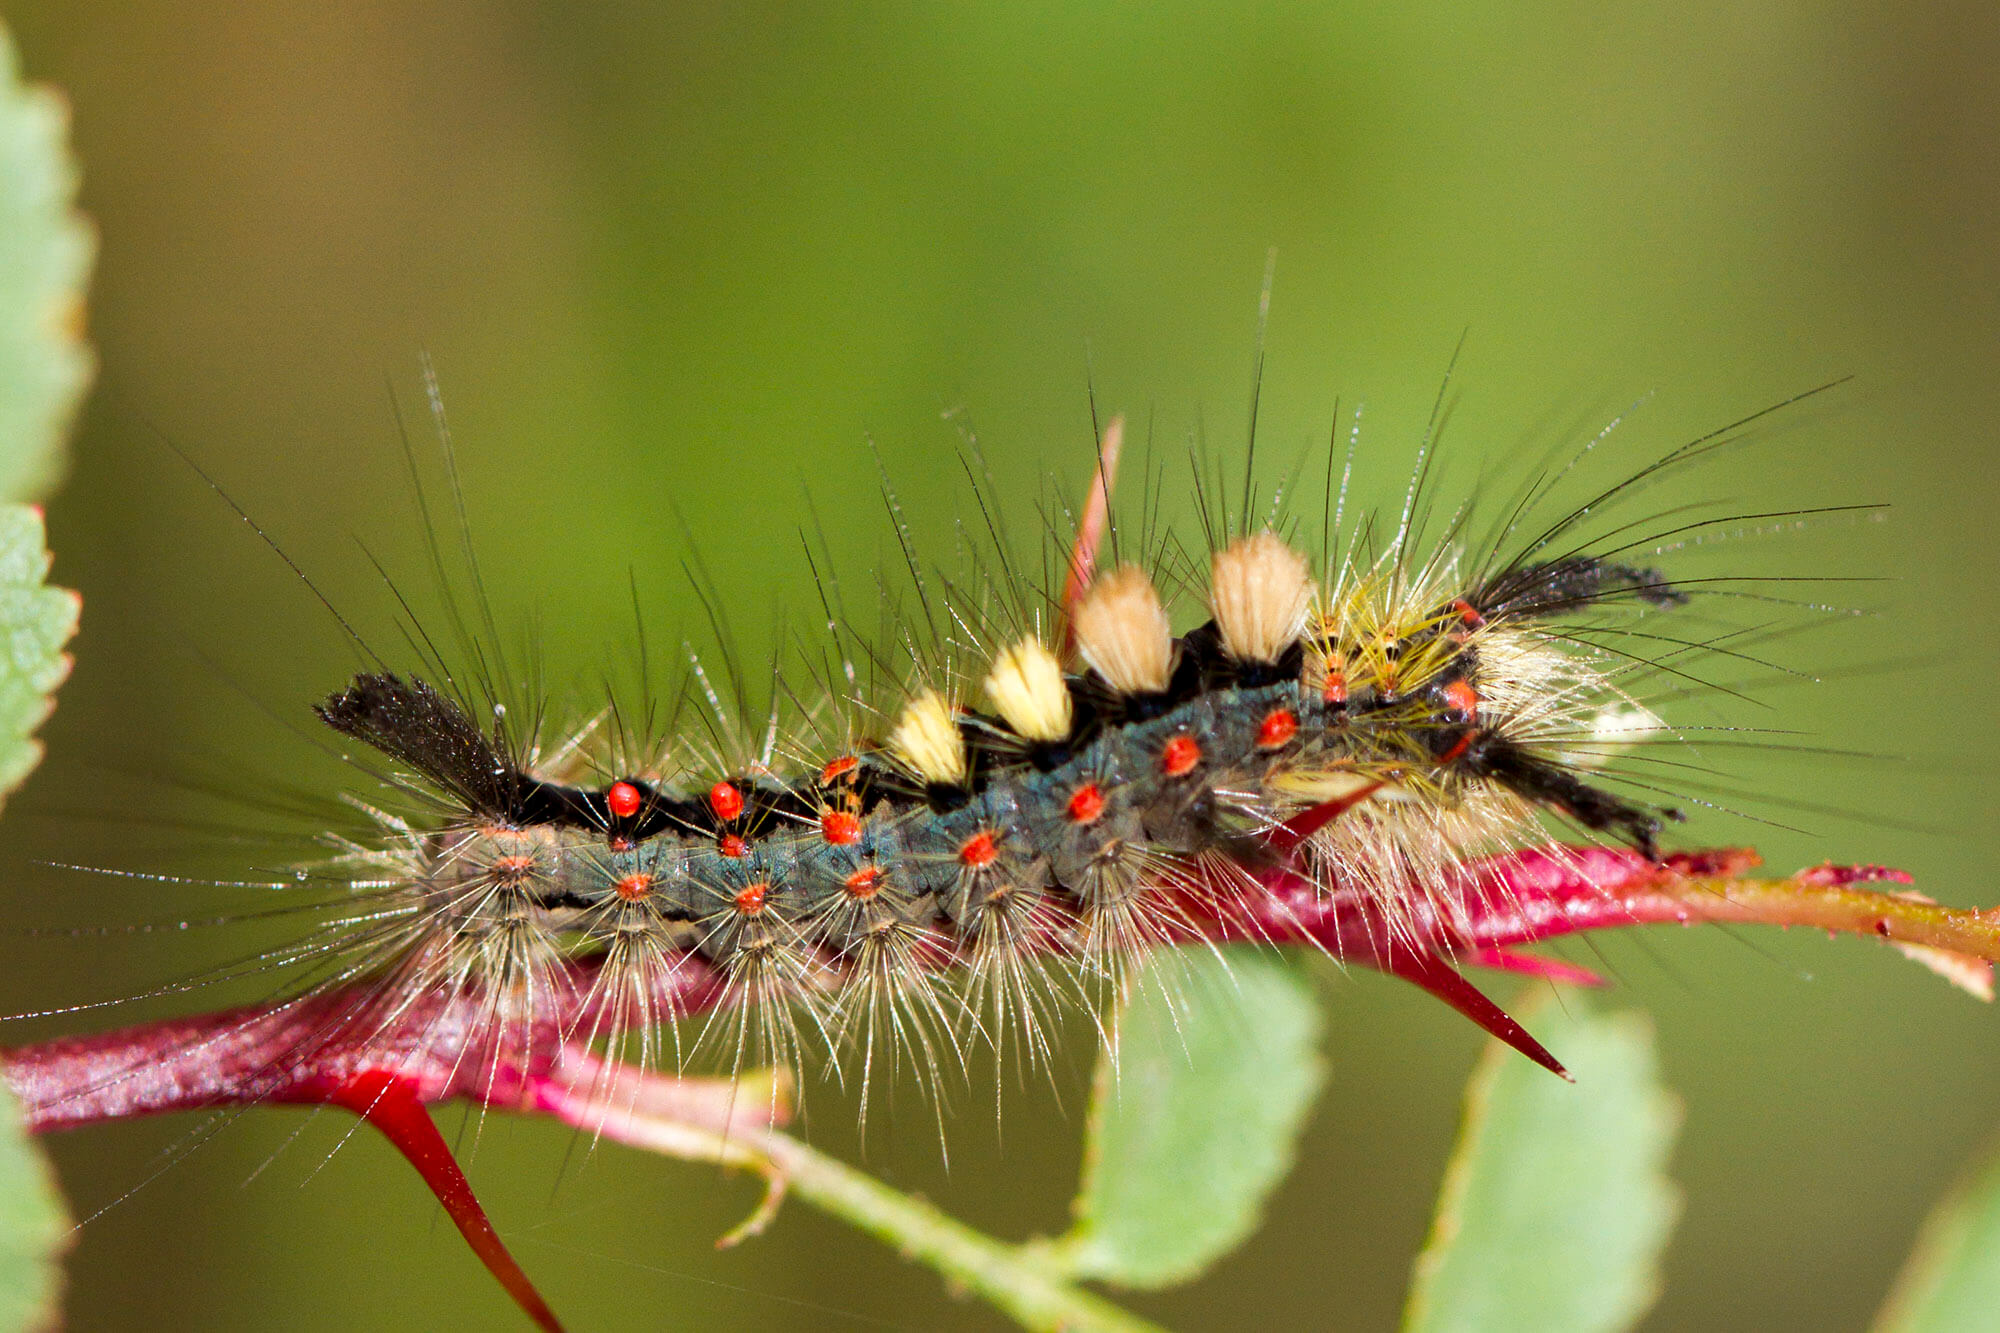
(1019, 1280)
(346, 1047)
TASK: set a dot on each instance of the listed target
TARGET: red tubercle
(634, 888)
(1468, 614)
(514, 866)
(979, 850)
(840, 827)
(733, 846)
(1277, 729)
(1463, 699)
(1179, 756)
(725, 801)
(843, 767)
(750, 900)
(623, 800)
(1086, 804)
(1335, 689)
(864, 883)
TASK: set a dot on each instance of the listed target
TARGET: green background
(676, 259)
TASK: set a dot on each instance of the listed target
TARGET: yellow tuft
(1260, 593)
(1026, 686)
(927, 739)
(1123, 632)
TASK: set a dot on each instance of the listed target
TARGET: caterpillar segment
(1373, 732)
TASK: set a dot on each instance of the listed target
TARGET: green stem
(1014, 1279)
(660, 1115)
(1900, 918)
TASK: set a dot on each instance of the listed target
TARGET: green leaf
(35, 622)
(45, 256)
(1196, 1119)
(1556, 1206)
(1951, 1281)
(34, 1228)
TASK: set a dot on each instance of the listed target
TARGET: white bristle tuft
(1123, 632)
(1026, 686)
(1260, 593)
(1616, 727)
(926, 737)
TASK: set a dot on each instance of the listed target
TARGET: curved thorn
(1448, 984)
(389, 1102)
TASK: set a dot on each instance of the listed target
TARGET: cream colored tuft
(926, 737)
(1613, 728)
(1026, 686)
(1123, 632)
(1260, 593)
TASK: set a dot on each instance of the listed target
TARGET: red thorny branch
(387, 1061)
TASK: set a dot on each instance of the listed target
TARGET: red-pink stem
(387, 1056)
(447, 1045)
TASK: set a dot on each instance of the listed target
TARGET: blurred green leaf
(1951, 1282)
(45, 253)
(35, 622)
(45, 256)
(1556, 1206)
(1196, 1120)
(34, 1228)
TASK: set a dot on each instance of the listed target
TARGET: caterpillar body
(1035, 815)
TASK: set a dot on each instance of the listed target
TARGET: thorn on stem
(1448, 984)
(389, 1102)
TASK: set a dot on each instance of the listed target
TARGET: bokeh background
(676, 257)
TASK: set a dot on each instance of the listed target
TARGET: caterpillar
(1031, 805)
(1008, 803)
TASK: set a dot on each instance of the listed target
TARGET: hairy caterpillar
(1036, 795)
(1041, 786)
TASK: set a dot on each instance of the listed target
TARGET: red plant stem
(447, 1045)
(386, 1056)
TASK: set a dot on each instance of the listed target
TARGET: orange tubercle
(1277, 729)
(726, 801)
(1179, 756)
(1086, 804)
(623, 799)
(840, 827)
(979, 850)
